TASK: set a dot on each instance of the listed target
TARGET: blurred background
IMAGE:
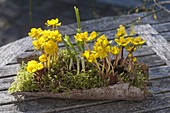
(18, 16)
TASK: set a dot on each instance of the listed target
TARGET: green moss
(138, 77)
(59, 78)
(24, 81)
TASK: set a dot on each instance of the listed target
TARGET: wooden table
(156, 53)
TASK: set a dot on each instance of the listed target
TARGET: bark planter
(119, 91)
(122, 91)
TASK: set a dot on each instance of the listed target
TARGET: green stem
(108, 67)
(98, 67)
(103, 66)
(134, 21)
(78, 66)
(48, 63)
(68, 42)
(66, 45)
(82, 58)
(87, 47)
(78, 19)
(53, 27)
(124, 61)
(116, 61)
(71, 63)
(83, 64)
(69, 51)
(122, 55)
(140, 6)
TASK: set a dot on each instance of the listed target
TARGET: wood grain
(9, 70)
(112, 23)
(12, 50)
(156, 41)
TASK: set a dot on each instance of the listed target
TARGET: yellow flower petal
(32, 66)
(134, 59)
(50, 47)
(40, 66)
(43, 58)
(121, 31)
(115, 50)
(92, 36)
(53, 22)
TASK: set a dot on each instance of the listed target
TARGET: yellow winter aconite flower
(55, 35)
(42, 41)
(35, 33)
(33, 66)
(134, 59)
(84, 36)
(81, 36)
(39, 66)
(130, 48)
(115, 50)
(89, 56)
(50, 47)
(138, 41)
(102, 47)
(36, 44)
(121, 31)
(130, 55)
(122, 41)
(46, 33)
(92, 36)
(43, 58)
(53, 22)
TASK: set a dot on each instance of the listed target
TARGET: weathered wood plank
(51, 105)
(6, 98)
(165, 110)
(166, 35)
(151, 60)
(10, 51)
(6, 82)
(43, 105)
(162, 27)
(156, 41)
(56, 105)
(162, 108)
(160, 85)
(108, 23)
(159, 72)
(9, 70)
(162, 17)
(156, 103)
